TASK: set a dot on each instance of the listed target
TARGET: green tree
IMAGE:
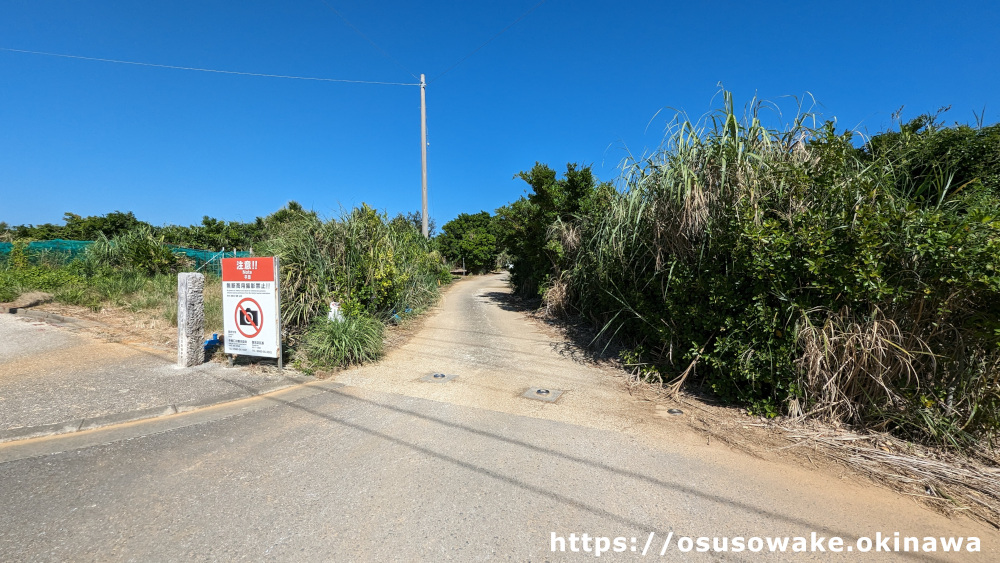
(215, 234)
(110, 225)
(417, 220)
(77, 227)
(470, 237)
(525, 227)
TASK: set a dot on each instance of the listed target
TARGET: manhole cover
(438, 377)
(542, 394)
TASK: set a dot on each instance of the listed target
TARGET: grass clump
(377, 268)
(371, 264)
(138, 250)
(339, 343)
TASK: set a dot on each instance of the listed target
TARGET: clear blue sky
(572, 82)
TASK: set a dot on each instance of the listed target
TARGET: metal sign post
(277, 310)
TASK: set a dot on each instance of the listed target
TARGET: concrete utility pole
(423, 152)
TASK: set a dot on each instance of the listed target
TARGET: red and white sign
(247, 313)
(251, 306)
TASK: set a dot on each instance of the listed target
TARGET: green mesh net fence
(70, 248)
(203, 260)
(207, 260)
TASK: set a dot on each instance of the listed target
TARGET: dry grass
(850, 362)
(566, 233)
(556, 299)
(944, 479)
(947, 481)
(941, 479)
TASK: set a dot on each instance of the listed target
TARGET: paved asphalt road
(378, 465)
(54, 379)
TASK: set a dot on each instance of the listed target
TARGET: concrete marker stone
(190, 319)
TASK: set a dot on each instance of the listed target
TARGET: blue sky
(572, 82)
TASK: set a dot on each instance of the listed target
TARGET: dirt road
(497, 354)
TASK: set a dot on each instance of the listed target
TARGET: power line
(174, 67)
(488, 41)
(366, 38)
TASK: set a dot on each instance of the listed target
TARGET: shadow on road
(543, 452)
(579, 341)
(510, 302)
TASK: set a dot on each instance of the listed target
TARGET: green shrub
(137, 250)
(790, 272)
(8, 294)
(354, 340)
(18, 257)
(371, 264)
(469, 240)
(32, 278)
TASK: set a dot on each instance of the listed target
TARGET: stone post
(190, 319)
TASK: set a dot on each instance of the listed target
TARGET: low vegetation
(380, 269)
(133, 271)
(355, 339)
(789, 270)
(375, 267)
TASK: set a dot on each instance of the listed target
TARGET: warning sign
(251, 306)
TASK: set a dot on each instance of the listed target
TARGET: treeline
(518, 233)
(211, 234)
(789, 271)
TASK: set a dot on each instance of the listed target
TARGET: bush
(378, 268)
(353, 340)
(524, 228)
(8, 294)
(791, 272)
(372, 265)
(15, 281)
(137, 250)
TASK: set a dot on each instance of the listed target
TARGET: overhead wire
(366, 38)
(293, 77)
(488, 41)
(217, 71)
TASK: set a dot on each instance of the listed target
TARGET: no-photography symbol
(249, 317)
